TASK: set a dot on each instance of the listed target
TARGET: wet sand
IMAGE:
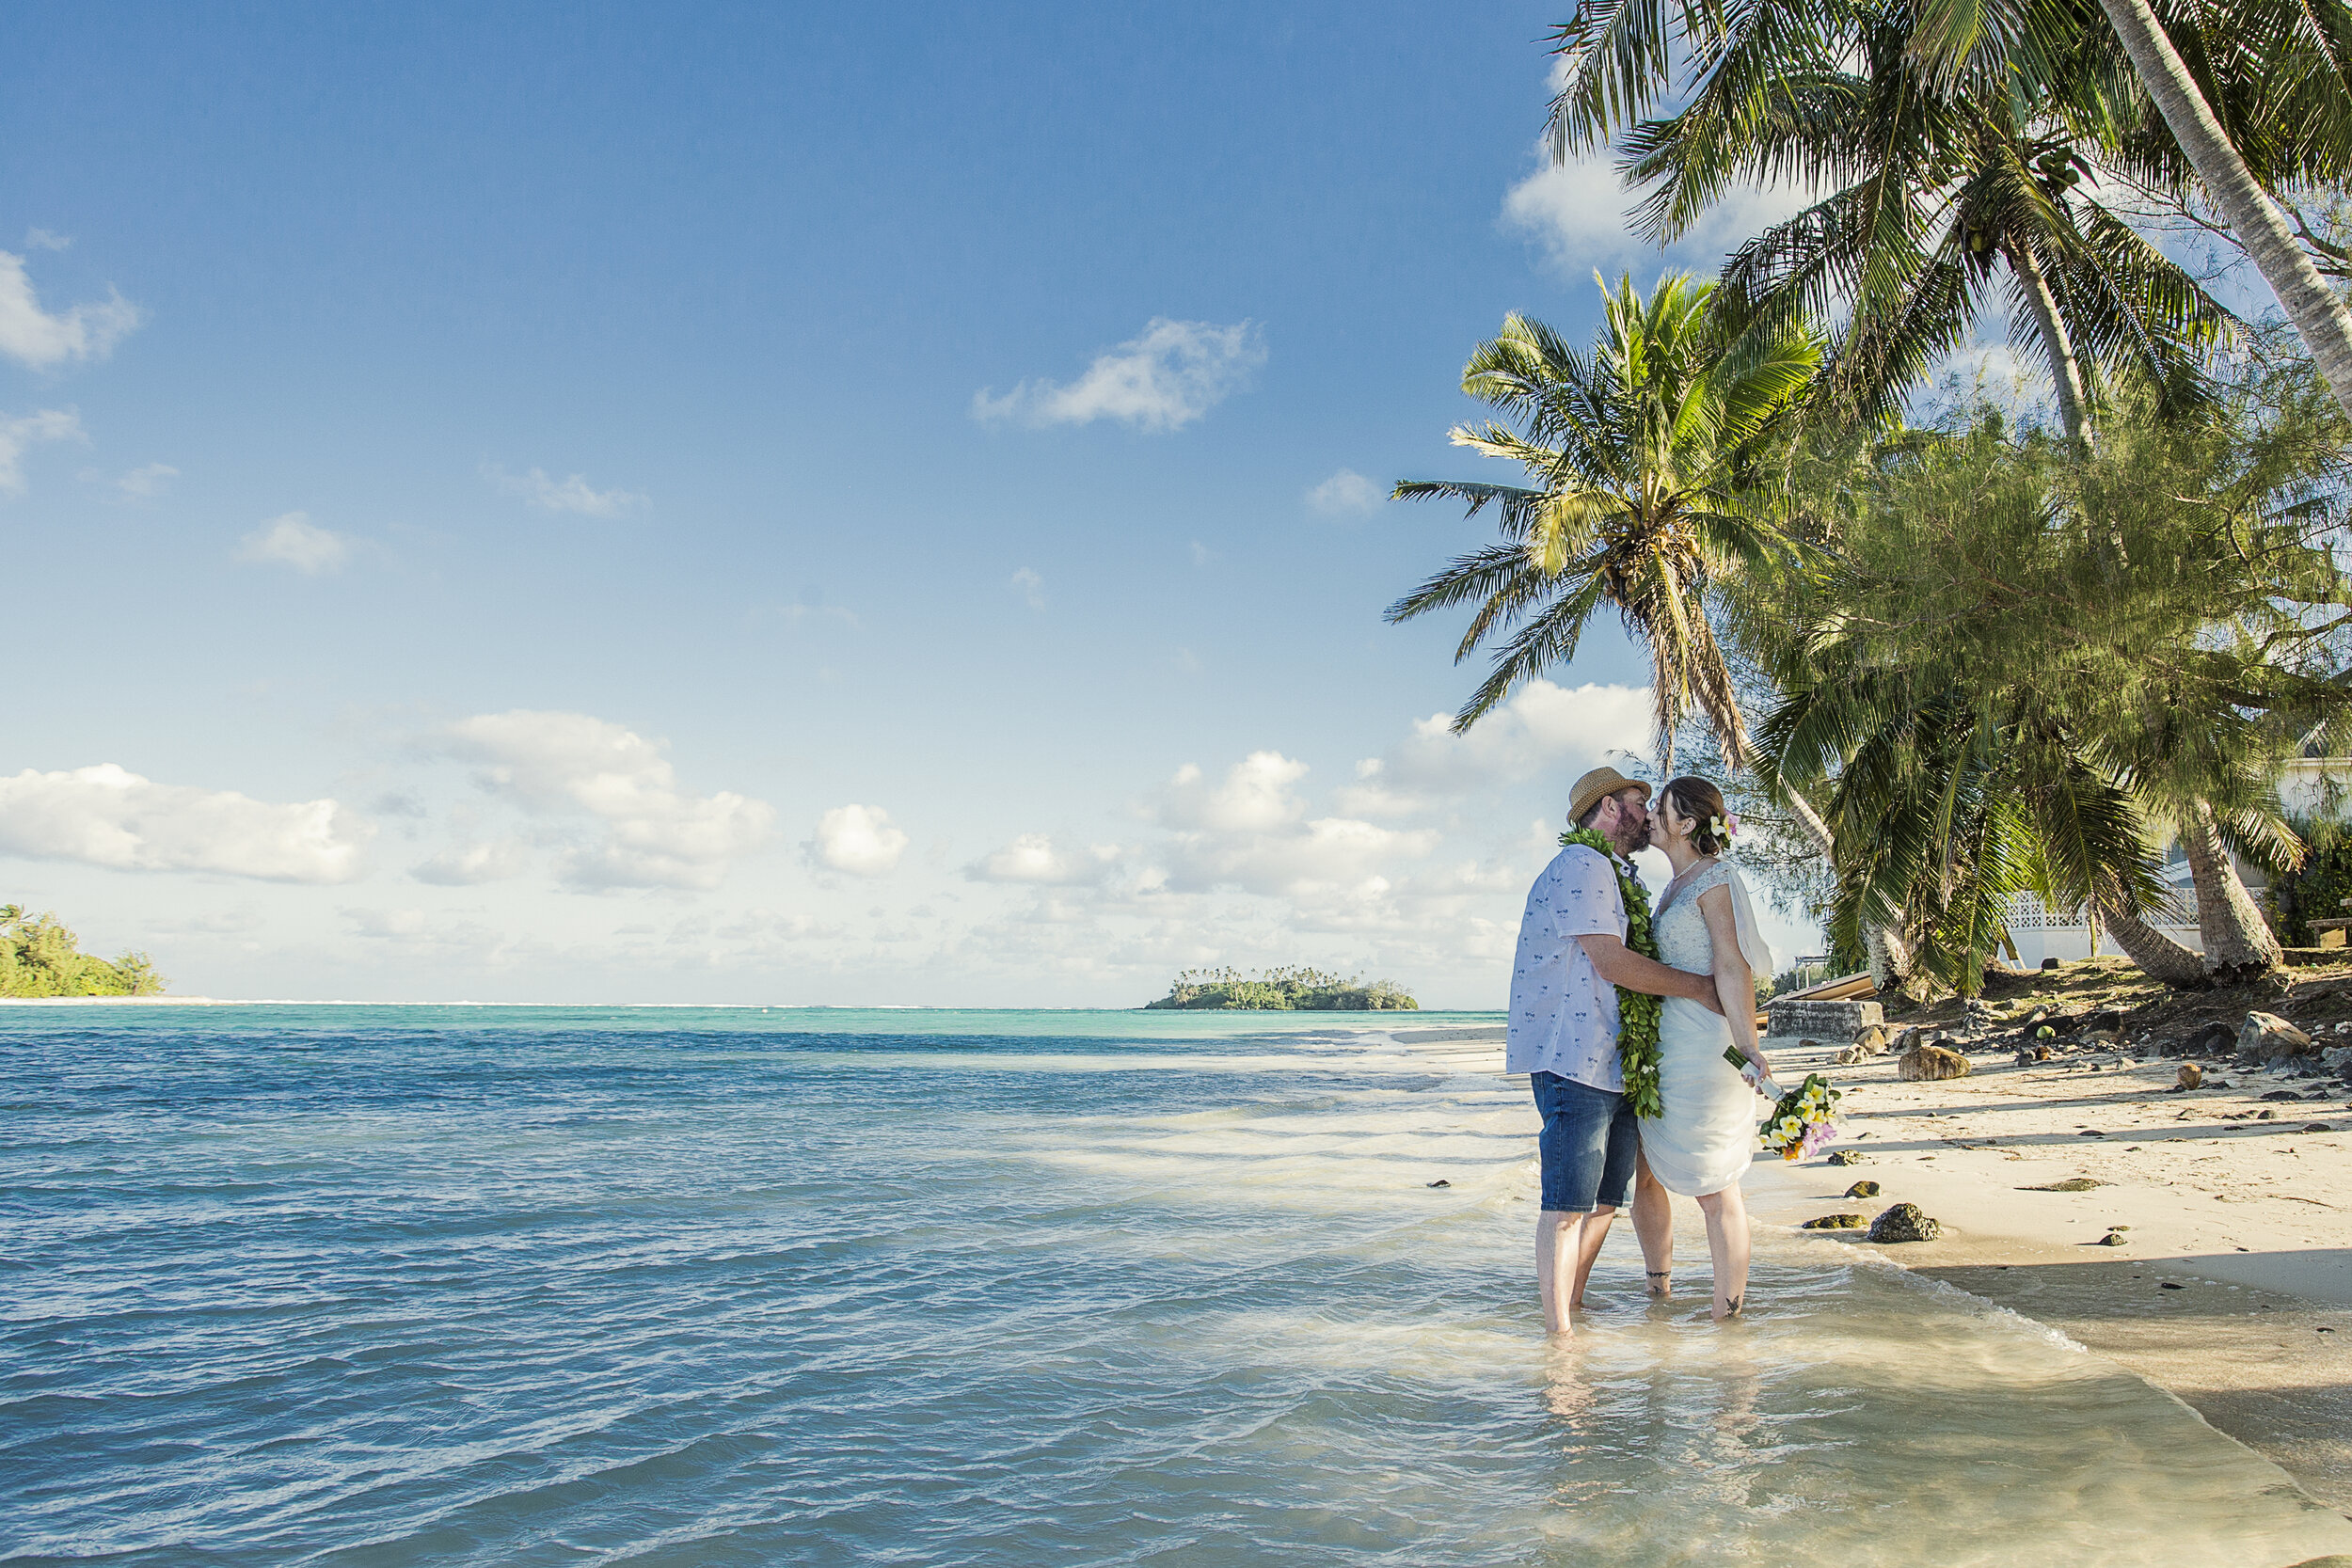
(2246, 1217)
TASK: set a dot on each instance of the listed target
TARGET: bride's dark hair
(1701, 801)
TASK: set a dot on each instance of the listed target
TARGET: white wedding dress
(1708, 1135)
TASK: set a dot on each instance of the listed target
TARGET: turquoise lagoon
(371, 1285)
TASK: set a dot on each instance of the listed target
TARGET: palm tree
(1937, 191)
(2279, 73)
(1643, 458)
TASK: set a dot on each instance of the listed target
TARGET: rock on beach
(1904, 1221)
(1927, 1062)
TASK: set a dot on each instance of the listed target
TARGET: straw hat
(1593, 786)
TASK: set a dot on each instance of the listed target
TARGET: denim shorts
(1587, 1146)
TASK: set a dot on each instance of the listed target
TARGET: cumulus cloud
(292, 540)
(1165, 379)
(1034, 858)
(1031, 588)
(1254, 796)
(1345, 494)
(858, 840)
(41, 239)
(572, 493)
(656, 834)
(1577, 211)
(16, 434)
(107, 816)
(1545, 727)
(1250, 830)
(469, 864)
(38, 338)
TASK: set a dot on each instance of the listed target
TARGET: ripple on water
(574, 1290)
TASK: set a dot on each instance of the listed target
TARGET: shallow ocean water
(521, 1286)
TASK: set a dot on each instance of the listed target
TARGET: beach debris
(1904, 1221)
(2266, 1115)
(1837, 1221)
(1441, 1181)
(2337, 1060)
(2119, 1227)
(2192, 1076)
(2113, 1238)
(1862, 1189)
(2168, 1284)
(1845, 1157)
(2072, 1184)
(2090, 1132)
(1931, 1063)
(2268, 1037)
(2285, 1094)
(2318, 1127)
(2215, 1036)
(1808, 1045)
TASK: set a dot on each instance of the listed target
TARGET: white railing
(2177, 910)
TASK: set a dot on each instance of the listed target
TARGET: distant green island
(38, 956)
(1284, 991)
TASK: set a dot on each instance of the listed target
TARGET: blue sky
(755, 504)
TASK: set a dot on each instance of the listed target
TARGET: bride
(1706, 923)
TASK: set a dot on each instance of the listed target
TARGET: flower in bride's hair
(1731, 828)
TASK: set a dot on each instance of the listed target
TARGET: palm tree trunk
(2237, 939)
(2057, 346)
(2254, 218)
(2158, 956)
(1890, 956)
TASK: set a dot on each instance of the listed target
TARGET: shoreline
(2243, 1218)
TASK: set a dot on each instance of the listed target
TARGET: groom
(1562, 1033)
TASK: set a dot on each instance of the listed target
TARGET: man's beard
(1633, 842)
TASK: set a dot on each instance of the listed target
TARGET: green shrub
(40, 957)
(1283, 990)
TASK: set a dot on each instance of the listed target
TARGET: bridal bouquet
(1804, 1121)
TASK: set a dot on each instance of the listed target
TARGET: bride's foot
(1729, 1309)
(1662, 1283)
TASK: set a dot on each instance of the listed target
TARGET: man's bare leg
(1557, 1235)
(1654, 1227)
(1588, 1248)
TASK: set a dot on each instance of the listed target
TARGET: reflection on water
(381, 1291)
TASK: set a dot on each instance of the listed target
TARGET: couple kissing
(1625, 1022)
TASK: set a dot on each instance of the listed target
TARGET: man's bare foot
(1662, 1283)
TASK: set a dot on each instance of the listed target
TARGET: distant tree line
(1284, 991)
(40, 957)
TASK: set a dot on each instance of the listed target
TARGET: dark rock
(2215, 1036)
(2168, 1284)
(2072, 1184)
(1929, 1063)
(2266, 1115)
(2090, 1132)
(2285, 1094)
(1846, 1156)
(2110, 1239)
(1441, 1182)
(2049, 964)
(1905, 1222)
(2318, 1127)
(1835, 1222)
(2268, 1037)
(2192, 1076)
(1862, 1189)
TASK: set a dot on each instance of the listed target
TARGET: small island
(40, 957)
(1284, 991)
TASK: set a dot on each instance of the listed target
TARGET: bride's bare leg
(1654, 1228)
(1727, 1246)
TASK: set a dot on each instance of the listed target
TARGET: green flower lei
(1637, 1010)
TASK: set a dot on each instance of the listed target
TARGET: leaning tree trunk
(1890, 956)
(2237, 940)
(2254, 218)
(2058, 344)
(2159, 956)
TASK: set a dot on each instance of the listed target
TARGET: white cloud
(107, 816)
(41, 239)
(1578, 211)
(1345, 494)
(33, 337)
(1030, 587)
(1543, 727)
(1033, 858)
(655, 835)
(50, 424)
(858, 840)
(572, 493)
(146, 481)
(1165, 379)
(295, 541)
(468, 864)
(1255, 796)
